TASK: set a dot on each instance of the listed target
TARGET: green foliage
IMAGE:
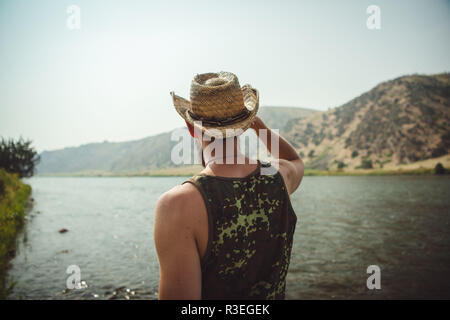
(311, 154)
(341, 165)
(13, 202)
(2, 189)
(439, 169)
(18, 157)
(355, 154)
(366, 164)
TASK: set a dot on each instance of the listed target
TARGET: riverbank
(189, 171)
(14, 197)
(371, 172)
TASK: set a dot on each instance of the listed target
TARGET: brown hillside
(398, 122)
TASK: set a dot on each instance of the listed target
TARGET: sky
(110, 79)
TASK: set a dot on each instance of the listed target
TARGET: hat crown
(216, 95)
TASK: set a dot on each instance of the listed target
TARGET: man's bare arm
(180, 271)
(290, 164)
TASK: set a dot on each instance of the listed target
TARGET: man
(227, 232)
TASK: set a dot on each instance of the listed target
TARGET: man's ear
(190, 128)
(191, 131)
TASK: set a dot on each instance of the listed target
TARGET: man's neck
(227, 152)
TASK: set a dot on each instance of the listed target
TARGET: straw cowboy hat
(218, 103)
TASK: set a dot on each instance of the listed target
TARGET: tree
(366, 164)
(341, 165)
(355, 154)
(18, 157)
(439, 169)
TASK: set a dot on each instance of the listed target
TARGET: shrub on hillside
(439, 169)
(366, 164)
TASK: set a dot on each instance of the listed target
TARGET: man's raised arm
(290, 164)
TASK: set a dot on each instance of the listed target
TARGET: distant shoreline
(190, 171)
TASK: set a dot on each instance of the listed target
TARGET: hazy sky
(111, 79)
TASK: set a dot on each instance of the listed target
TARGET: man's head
(215, 146)
(219, 107)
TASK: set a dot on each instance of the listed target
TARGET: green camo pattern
(251, 224)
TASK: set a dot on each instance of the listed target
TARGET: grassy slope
(13, 202)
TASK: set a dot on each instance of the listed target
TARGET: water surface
(344, 225)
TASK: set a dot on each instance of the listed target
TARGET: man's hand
(257, 124)
(290, 164)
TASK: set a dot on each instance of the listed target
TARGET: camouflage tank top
(251, 228)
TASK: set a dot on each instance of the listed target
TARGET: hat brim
(251, 102)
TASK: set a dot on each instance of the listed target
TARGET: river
(345, 224)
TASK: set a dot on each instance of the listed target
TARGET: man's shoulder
(179, 201)
(180, 193)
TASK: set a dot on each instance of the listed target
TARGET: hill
(139, 156)
(278, 117)
(398, 122)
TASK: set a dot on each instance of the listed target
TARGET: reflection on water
(344, 225)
